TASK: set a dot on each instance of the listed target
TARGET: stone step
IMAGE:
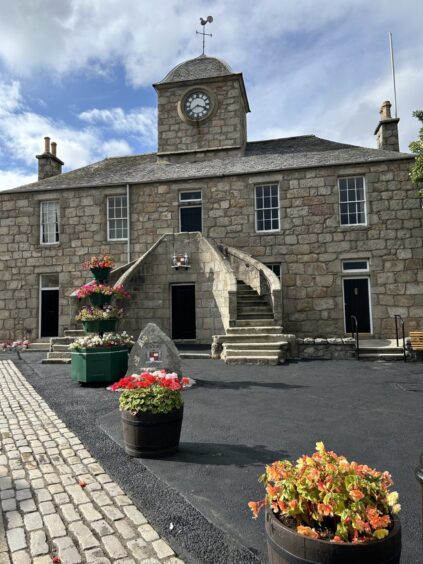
(60, 348)
(269, 329)
(255, 346)
(194, 355)
(57, 354)
(254, 316)
(256, 323)
(230, 350)
(272, 360)
(56, 361)
(251, 301)
(381, 356)
(246, 294)
(62, 340)
(384, 350)
(38, 347)
(263, 308)
(253, 338)
(74, 333)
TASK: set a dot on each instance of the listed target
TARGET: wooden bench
(416, 340)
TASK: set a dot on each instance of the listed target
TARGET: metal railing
(398, 317)
(354, 332)
(419, 476)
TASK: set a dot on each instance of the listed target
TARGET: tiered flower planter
(100, 326)
(91, 366)
(99, 364)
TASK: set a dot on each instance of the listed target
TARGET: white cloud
(139, 121)
(310, 67)
(13, 178)
(22, 132)
(10, 96)
(115, 148)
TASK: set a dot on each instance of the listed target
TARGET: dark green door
(357, 302)
(183, 311)
(49, 313)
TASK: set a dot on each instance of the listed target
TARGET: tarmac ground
(237, 419)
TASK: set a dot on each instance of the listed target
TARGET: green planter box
(104, 364)
(100, 274)
(100, 326)
(100, 299)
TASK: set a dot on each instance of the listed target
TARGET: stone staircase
(59, 347)
(39, 345)
(381, 349)
(256, 338)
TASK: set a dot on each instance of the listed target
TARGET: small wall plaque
(154, 356)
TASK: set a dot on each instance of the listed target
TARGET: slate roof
(200, 67)
(307, 151)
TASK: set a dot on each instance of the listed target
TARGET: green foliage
(416, 147)
(154, 399)
(330, 498)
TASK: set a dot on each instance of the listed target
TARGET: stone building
(300, 233)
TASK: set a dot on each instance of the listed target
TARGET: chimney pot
(46, 144)
(385, 110)
(53, 148)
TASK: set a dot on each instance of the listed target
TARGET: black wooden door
(183, 311)
(49, 313)
(357, 302)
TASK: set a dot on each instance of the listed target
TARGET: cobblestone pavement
(57, 502)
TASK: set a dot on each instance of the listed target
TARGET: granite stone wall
(225, 129)
(310, 244)
(151, 284)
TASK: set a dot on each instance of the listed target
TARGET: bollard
(419, 476)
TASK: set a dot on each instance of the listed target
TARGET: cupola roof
(200, 67)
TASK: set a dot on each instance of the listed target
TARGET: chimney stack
(387, 130)
(48, 163)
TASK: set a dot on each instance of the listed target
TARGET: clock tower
(202, 107)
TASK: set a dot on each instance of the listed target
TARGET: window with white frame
(117, 218)
(190, 211)
(352, 200)
(49, 223)
(267, 207)
(355, 265)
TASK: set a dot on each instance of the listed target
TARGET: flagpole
(391, 46)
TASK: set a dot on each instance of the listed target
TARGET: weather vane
(203, 33)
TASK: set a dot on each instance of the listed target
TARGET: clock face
(197, 105)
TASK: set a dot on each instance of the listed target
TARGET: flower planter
(100, 326)
(152, 435)
(286, 546)
(99, 365)
(100, 274)
(100, 299)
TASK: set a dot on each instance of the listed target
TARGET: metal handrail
(396, 317)
(354, 324)
(419, 476)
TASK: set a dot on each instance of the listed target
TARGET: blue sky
(80, 71)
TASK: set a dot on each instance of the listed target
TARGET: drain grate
(409, 386)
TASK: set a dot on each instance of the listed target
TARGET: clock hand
(198, 103)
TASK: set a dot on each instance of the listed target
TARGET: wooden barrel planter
(152, 435)
(100, 274)
(286, 546)
(100, 299)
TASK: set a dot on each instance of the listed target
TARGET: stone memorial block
(154, 350)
